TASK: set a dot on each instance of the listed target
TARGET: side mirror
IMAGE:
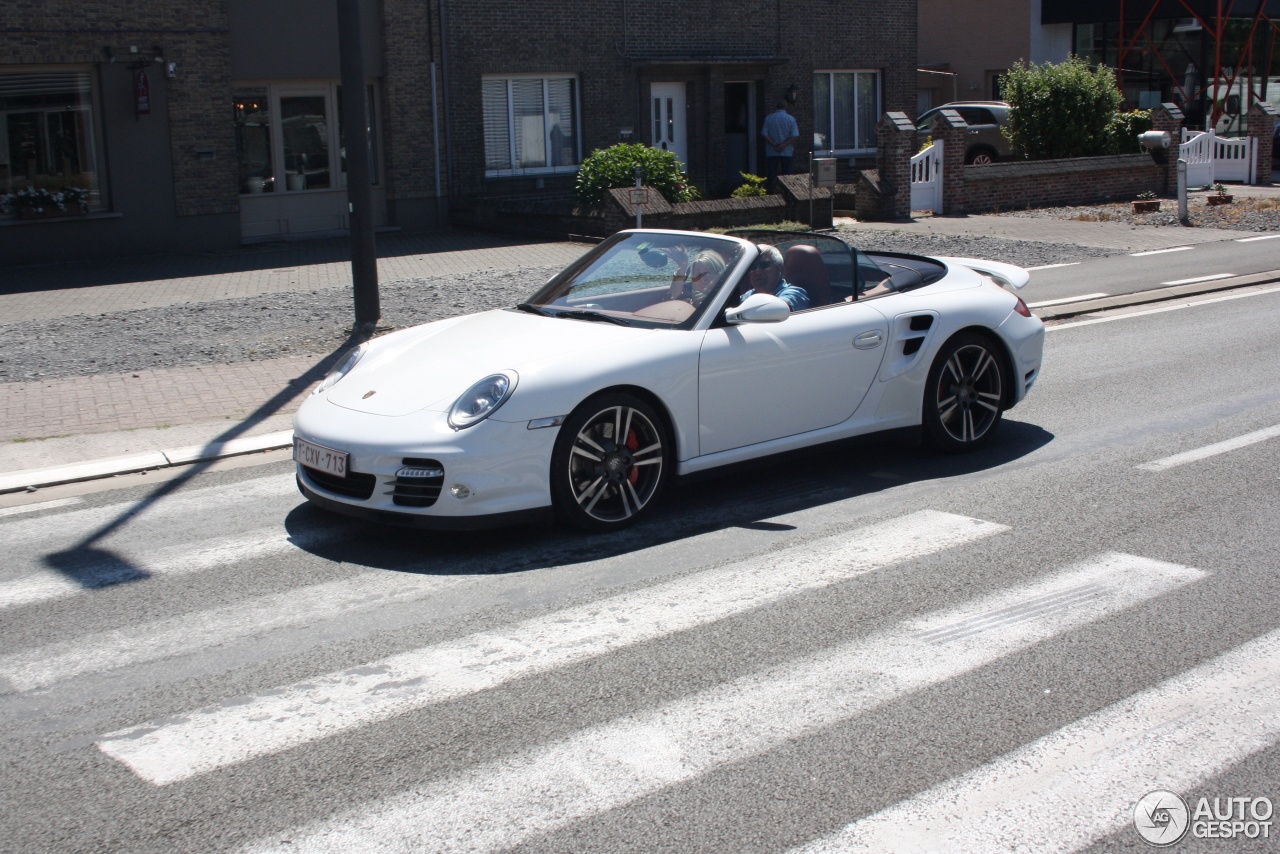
(759, 308)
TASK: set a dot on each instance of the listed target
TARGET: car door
(763, 381)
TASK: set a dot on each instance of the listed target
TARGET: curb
(30, 479)
(1075, 309)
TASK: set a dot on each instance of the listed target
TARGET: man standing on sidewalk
(780, 133)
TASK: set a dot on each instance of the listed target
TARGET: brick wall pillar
(1261, 126)
(1168, 117)
(896, 136)
(954, 133)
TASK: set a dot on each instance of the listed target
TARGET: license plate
(319, 457)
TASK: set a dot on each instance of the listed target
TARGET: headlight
(482, 400)
(340, 370)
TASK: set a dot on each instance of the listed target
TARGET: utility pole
(355, 142)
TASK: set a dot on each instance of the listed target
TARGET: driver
(765, 277)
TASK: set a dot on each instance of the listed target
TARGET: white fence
(926, 179)
(1211, 158)
(1197, 150)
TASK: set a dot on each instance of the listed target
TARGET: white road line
(1212, 450)
(1080, 783)
(191, 633)
(1212, 278)
(243, 729)
(1080, 298)
(1159, 251)
(48, 585)
(35, 508)
(1251, 239)
(1091, 321)
(499, 804)
(185, 504)
(1053, 266)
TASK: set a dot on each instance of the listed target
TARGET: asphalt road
(862, 648)
(1125, 274)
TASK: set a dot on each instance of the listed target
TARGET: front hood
(429, 366)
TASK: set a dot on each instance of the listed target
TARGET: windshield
(642, 279)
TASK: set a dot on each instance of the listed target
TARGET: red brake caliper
(632, 445)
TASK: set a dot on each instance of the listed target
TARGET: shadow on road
(744, 497)
(93, 567)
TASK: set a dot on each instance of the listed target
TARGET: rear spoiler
(1007, 275)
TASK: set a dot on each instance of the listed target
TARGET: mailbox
(1156, 143)
(824, 171)
(1153, 139)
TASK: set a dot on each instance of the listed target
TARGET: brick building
(203, 125)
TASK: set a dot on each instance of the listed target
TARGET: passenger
(765, 277)
(695, 278)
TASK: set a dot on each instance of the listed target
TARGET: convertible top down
(661, 353)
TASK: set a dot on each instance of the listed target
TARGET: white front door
(669, 120)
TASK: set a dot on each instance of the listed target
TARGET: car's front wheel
(611, 461)
(964, 397)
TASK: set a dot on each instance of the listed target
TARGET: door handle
(868, 340)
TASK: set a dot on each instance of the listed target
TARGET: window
(846, 108)
(287, 141)
(47, 133)
(530, 124)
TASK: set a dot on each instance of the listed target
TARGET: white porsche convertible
(657, 354)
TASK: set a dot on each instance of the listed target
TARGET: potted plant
(43, 203)
(1146, 203)
(1220, 196)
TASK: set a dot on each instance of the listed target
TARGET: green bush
(1062, 110)
(1123, 130)
(607, 168)
(753, 186)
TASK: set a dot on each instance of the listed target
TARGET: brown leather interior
(803, 267)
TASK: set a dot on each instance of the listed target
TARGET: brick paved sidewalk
(161, 398)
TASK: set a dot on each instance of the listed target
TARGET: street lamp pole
(355, 142)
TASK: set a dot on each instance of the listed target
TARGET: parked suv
(986, 143)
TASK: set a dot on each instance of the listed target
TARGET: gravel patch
(1024, 253)
(222, 332)
(1243, 214)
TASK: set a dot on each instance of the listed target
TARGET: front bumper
(495, 472)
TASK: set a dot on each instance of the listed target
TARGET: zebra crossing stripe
(240, 729)
(108, 568)
(1080, 783)
(502, 803)
(191, 633)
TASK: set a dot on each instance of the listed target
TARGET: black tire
(600, 482)
(981, 157)
(964, 396)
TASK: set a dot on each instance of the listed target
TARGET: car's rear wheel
(964, 397)
(611, 461)
(981, 157)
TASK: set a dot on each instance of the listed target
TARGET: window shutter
(497, 126)
(530, 126)
(562, 121)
